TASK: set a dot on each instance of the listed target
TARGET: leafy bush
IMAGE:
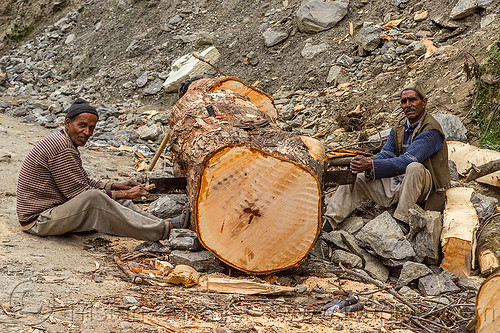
(486, 106)
(20, 32)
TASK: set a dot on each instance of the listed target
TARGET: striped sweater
(51, 174)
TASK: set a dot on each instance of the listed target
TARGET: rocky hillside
(335, 68)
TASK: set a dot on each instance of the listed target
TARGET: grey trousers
(93, 210)
(414, 188)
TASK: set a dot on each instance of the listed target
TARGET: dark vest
(437, 164)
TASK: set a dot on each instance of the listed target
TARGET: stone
(274, 36)
(168, 206)
(444, 22)
(311, 50)
(346, 258)
(369, 38)
(154, 87)
(129, 300)
(333, 75)
(453, 128)
(425, 233)
(3, 77)
(417, 47)
(345, 60)
(489, 19)
(408, 292)
(463, 8)
(202, 261)
(351, 224)
(453, 171)
(188, 66)
(485, 206)
(314, 16)
(470, 283)
(142, 80)
(380, 137)
(70, 39)
(370, 263)
(149, 132)
(433, 285)
(184, 240)
(420, 16)
(399, 3)
(412, 271)
(384, 236)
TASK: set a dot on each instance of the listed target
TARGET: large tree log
(488, 306)
(460, 223)
(465, 155)
(488, 243)
(255, 190)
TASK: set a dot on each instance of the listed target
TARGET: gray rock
(408, 292)
(463, 8)
(188, 66)
(274, 36)
(370, 262)
(398, 3)
(345, 60)
(310, 50)
(142, 80)
(485, 20)
(315, 16)
(384, 236)
(149, 132)
(106, 111)
(167, 206)
(351, 224)
(417, 47)
(129, 300)
(333, 75)
(153, 87)
(453, 171)
(485, 206)
(433, 285)
(425, 233)
(470, 283)
(184, 240)
(369, 38)
(346, 258)
(203, 261)
(453, 128)
(412, 271)
(444, 22)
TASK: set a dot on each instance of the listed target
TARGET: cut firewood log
(460, 223)
(465, 155)
(255, 190)
(245, 287)
(488, 244)
(488, 306)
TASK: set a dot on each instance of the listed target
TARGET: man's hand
(126, 185)
(131, 193)
(361, 163)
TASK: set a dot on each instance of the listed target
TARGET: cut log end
(488, 306)
(255, 211)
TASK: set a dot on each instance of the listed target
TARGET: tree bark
(255, 190)
(488, 243)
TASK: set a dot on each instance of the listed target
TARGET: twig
(382, 286)
(133, 277)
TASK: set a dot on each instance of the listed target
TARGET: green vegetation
(486, 106)
(20, 32)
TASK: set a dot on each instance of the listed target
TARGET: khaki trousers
(93, 210)
(413, 188)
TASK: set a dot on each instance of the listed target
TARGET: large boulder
(315, 16)
(384, 237)
(368, 38)
(188, 66)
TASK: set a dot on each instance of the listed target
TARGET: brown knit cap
(416, 86)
